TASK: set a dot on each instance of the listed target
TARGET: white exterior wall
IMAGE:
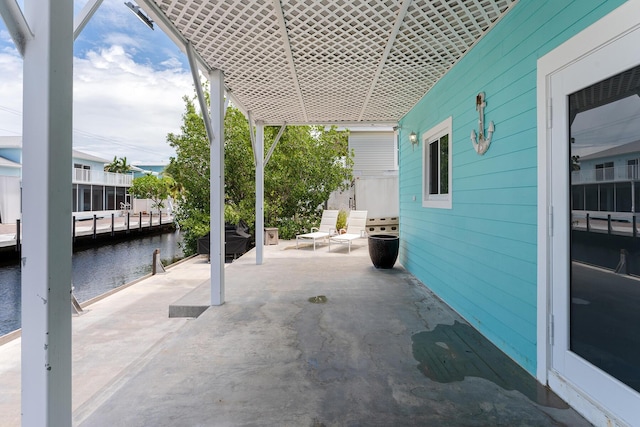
(378, 196)
(146, 205)
(376, 173)
(375, 152)
(9, 199)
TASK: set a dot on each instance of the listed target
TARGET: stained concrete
(270, 356)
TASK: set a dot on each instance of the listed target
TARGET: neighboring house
(146, 169)
(375, 173)
(608, 181)
(9, 190)
(94, 191)
(490, 234)
(10, 178)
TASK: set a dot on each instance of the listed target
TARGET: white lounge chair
(356, 229)
(327, 228)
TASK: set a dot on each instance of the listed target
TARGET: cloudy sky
(128, 87)
(605, 127)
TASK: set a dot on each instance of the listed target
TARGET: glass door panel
(604, 299)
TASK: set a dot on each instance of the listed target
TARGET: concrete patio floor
(306, 339)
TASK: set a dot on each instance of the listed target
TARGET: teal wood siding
(480, 256)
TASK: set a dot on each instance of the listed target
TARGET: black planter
(383, 250)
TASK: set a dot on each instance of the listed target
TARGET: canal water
(95, 271)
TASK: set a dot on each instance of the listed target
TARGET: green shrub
(342, 220)
(288, 228)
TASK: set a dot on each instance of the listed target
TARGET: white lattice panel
(334, 60)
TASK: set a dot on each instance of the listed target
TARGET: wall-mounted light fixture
(140, 14)
(413, 138)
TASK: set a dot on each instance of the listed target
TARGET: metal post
(140, 221)
(635, 230)
(150, 219)
(609, 228)
(216, 96)
(112, 224)
(588, 224)
(128, 218)
(160, 219)
(47, 241)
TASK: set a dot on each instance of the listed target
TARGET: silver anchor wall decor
(480, 143)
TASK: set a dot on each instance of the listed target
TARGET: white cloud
(121, 39)
(10, 92)
(606, 126)
(119, 104)
(121, 107)
(128, 87)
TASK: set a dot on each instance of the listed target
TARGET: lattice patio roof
(328, 61)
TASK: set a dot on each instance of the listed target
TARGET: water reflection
(95, 271)
(10, 302)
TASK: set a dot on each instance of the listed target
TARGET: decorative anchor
(481, 145)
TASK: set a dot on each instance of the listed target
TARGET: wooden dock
(87, 231)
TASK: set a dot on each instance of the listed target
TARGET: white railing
(88, 176)
(620, 173)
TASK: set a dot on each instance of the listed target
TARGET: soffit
(330, 61)
(607, 91)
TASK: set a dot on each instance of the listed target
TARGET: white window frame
(440, 201)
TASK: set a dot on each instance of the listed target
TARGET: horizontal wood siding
(480, 256)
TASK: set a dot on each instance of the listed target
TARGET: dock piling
(157, 266)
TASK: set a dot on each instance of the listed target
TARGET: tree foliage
(308, 164)
(118, 165)
(306, 167)
(153, 188)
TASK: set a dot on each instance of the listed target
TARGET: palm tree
(124, 167)
(113, 166)
(118, 165)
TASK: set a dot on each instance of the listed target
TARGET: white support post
(252, 136)
(259, 154)
(16, 24)
(216, 82)
(193, 65)
(275, 143)
(84, 16)
(46, 214)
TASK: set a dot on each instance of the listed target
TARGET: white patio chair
(356, 229)
(326, 229)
